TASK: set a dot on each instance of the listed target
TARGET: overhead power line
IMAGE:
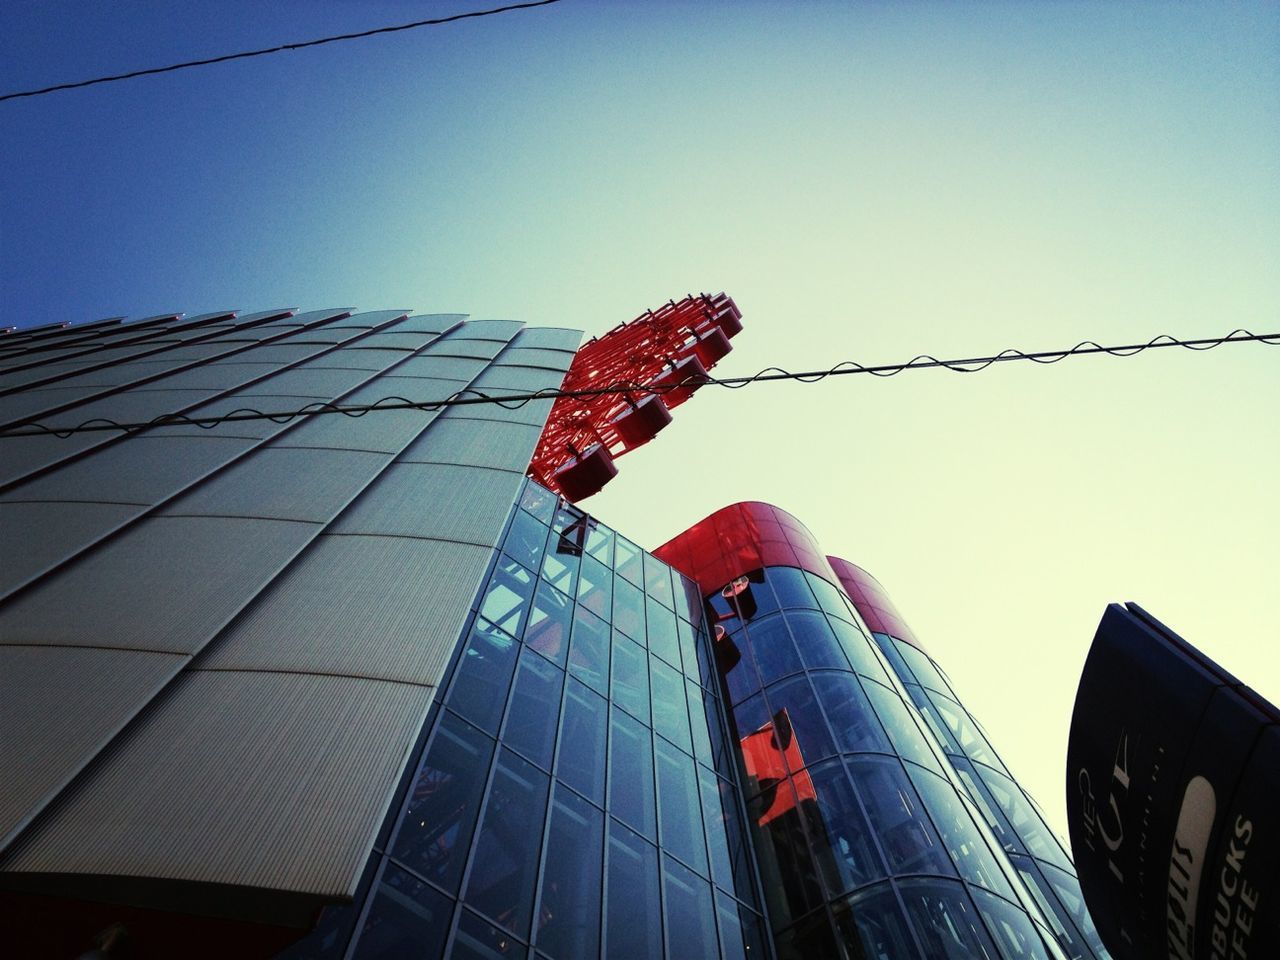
(246, 54)
(470, 397)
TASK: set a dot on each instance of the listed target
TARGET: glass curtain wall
(868, 844)
(576, 794)
(1013, 817)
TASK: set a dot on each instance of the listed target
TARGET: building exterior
(335, 686)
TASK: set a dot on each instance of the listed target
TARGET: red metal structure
(673, 345)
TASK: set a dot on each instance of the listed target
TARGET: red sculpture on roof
(673, 347)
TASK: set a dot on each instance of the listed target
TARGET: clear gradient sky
(868, 181)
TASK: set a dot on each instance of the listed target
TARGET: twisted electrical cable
(468, 396)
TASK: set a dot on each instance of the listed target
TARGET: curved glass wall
(867, 842)
(576, 795)
(1031, 846)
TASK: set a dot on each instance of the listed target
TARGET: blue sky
(869, 181)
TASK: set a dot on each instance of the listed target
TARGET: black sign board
(1173, 799)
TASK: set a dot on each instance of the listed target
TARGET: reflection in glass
(595, 588)
(406, 918)
(670, 704)
(700, 720)
(628, 560)
(810, 738)
(908, 739)
(945, 922)
(630, 677)
(787, 870)
(905, 835)
(589, 657)
(977, 793)
(791, 587)
(856, 728)
(443, 802)
(679, 806)
(582, 742)
(732, 943)
(1067, 887)
(535, 707)
(819, 648)
(968, 850)
(569, 908)
(600, 543)
(483, 677)
(560, 563)
(859, 650)
(506, 599)
(478, 939)
(661, 632)
(539, 501)
(1025, 821)
(1015, 935)
(838, 831)
(631, 775)
(873, 919)
(548, 630)
(525, 540)
(770, 643)
(829, 598)
(926, 672)
(691, 925)
(505, 863)
(1049, 907)
(966, 733)
(657, 581)
(633, 918)
(628, 609)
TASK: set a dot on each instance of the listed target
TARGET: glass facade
(868, 842)
(575, 795)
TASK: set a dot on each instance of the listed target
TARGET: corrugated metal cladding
(217, 645)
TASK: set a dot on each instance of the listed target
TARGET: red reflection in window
(768, 753)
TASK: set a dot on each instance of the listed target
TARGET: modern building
(332, 686)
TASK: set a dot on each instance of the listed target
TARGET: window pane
(539, 501)
(569, 911)
(691, 919)
(526, 540)
(698, 722)
(829, 598)
(628, 561)
(791, 587)
(946, 923)
(688, 597)
(670, 704)
(737, 666)
(966, 733)
(595, 588)
(506, 599)
(906, 836)
(1012, 929)
(787, 870)
(771, 645)
(694, 655)
(680, 807)
(874, 919)
(444, 801)
(407, 918)
(535, 707)
(600, 543)
(589, 658)
(859, 651)
(856, 728)
(969, 851)
(838, 831)
(933, 720)
(811, 937)
(732, 945)
(908, 739)
(1067, 887)
(631, 775)
(1025, 821)
(926, 673)
(506, 859)
(483, 677)
(560, 564)
(1054, 915)
(628, 609)
(816, 641)
(661, 632)
(978, 794)
(478, 939)
(548, 630)
(890, 651)
(802, 733)
(634, 916)
(630, 677)
(657, 581)
(716, 816)
(582, 742)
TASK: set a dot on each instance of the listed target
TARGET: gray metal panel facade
(248, 623)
